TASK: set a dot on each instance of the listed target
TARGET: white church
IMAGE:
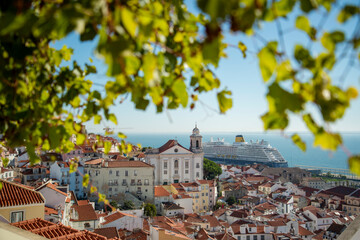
(175, 163)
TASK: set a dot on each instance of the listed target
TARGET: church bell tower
(196, 141)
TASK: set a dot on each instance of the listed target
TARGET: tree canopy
(211, 169)
(160, 53)
(149, 210)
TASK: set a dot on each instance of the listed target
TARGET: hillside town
(165, 193)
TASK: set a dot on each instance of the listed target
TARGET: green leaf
(327, 141)
(267, 60)
(299, 142)
(93, 189)
(211, 51)
(284, 71)
(329, 40)
(107, 147)
(303, 57)
(307, 5)
(97, 119)
(112, 118)
(80, 139)
(179, 88)
(85, 181)
(5, 162)
(73, 167)
(281, 100)
(275, 120)
(310, 123)
(347, 12)
(225, 103)
(127, 18)
(102, 197)
(303, 24)
(149, 66)
(354, 164)
(242, 48)
(121, 135)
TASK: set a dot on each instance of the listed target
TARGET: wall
(30, 211)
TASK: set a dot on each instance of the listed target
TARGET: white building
(174, 163)
(122, 220)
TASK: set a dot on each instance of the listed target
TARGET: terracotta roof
(115, 216)
(109, 232)
(137, 234)
(161, 192)
(85, 213)
(51, 230)
(51, 186)
(13, 194)
(49, 211)
(212, 220)
(305, 232)
(125, 164)
(170, 144)
(203, 235)
(94, 161)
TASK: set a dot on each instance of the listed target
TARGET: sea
(313, 156)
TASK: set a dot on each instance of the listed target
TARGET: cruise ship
(243, 153)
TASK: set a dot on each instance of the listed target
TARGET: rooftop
(13, 194)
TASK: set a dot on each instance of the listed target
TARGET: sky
(241, 76)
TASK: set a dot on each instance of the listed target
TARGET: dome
(196, 131)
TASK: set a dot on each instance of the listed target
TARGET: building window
(197, 174)
(165, 183)
(176, 164)
(124, 182)
(117, 173)
(197, 165)
(132, 181)
(186, 164)
(146, 181)
(126, 173)
(135, 173)
(110, 172)
(17, 216)
(139, 189)
(165, 165)
(176, 172)
(262, 237)
(110, 189)
(165, 172)
(86, 225)
(186, 171)
(255, 237)
(247, 237)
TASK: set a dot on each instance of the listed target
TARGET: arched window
(176, 164)
(197, 143)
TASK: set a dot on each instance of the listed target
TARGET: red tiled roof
(51, 186)
(115, 216)
(109, 232)
(85, 213)
(49, 211)
(124, 164)
(161, 192)
(304, 232)
(13, 194)
(51, 230)
(170, 144)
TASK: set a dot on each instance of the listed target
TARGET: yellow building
(197, 191)
(19, 203)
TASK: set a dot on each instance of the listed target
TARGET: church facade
(174, 163)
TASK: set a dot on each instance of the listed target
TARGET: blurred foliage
(157, 52)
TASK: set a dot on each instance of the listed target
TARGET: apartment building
(115, 178)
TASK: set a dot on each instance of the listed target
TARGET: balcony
(139, 184)
(133, 184)
(146, 184)
(124, 184)
(138, 192)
